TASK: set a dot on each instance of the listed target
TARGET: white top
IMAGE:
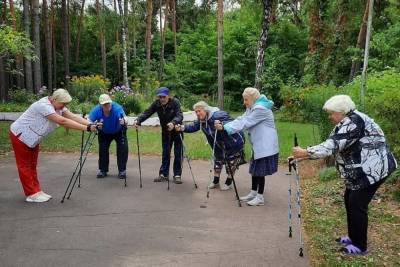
(33, 125)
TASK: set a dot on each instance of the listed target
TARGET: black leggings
(258, 183)
(356, 203)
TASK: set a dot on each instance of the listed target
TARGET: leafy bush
(128, 101)
(88, 88)
(382, 100)
(13, 107)
(21, 96)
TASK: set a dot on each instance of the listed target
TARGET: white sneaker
(257, 201)
(226, 187)
(212, 185)
(250, 196)
(37, 198)
(46, 195)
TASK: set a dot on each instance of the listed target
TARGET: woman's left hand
(218, 125)
(299, 152)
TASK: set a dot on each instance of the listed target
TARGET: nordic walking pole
(78, 167)
(169, 154)
(296, 171)
(188, 161)
(82, 138)
(212, 163)
(124, 130)
(138, 152)
(228, 163)
(290, 162)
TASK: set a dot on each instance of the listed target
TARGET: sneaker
(101, 174)
(161, 178)
(212, 185)
(46, 195)
(177, 179)
(37, 198)
(250, 196)
(343, 240)
(226, 187)
(257, 201)
(122, 175)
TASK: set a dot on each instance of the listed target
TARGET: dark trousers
(170, 139)
(122, 149)
(356, 203)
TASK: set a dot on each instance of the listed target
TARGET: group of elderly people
(358, 144)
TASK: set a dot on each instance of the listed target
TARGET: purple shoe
(343, 240)
(352, 250)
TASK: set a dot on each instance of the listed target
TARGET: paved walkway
(105, 224)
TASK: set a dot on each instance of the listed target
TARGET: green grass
(62, 140)
(325, 219)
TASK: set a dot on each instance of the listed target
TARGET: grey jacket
(259, 121)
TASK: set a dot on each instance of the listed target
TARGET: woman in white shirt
(40, 119)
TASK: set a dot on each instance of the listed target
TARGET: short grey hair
(203, 105)
(339, 103)
(251, 92)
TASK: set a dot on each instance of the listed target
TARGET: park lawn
(325, 219)
(63, 140)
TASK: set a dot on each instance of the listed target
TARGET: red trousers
(26, 159)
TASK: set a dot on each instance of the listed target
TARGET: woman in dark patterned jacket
(232, 146)
(362, 159)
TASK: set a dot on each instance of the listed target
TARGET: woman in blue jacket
(228, 147)
(259, 121)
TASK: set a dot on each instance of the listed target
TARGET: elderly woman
(259, 121)
(224, 147)
(40, 119)
(362, 159)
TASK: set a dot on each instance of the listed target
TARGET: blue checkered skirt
(264, 166)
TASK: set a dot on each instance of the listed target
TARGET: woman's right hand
(179, 128)
(299, 152)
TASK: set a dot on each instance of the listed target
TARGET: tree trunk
(53, 44)
(173, 9)
(78, 38)
(117, 41)
(313, 65)
(220, 32)
(162, 36)
(3, 85)
(133, 3)
(124, 48)
(99, 11)
(28, 62)
(37, 72)
(262, 44)
(341, 22)
(149, 17)
(48, 42)
(355, 64)
(19, 61)
(65, 37)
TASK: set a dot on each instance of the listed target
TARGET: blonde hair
(62, 96)
(339, 103)
(251, 92)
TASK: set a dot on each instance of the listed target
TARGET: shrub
(22, 96)
(128, 101)
(88, 88)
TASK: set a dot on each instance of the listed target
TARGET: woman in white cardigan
(258, 120)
